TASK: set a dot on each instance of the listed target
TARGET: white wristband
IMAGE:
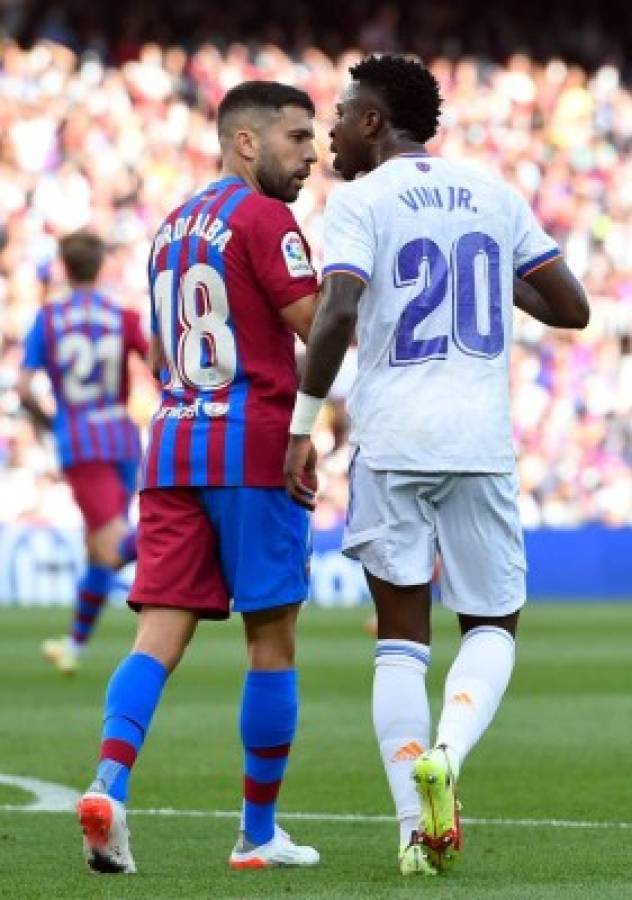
(305, 413)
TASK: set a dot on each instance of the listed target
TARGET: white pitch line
(349, 817)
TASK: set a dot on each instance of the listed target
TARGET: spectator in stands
(115, 146)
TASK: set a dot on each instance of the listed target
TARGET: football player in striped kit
(83, 341)
(231, 285)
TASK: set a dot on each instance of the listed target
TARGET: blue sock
(131, 698)
(92, 592)
(269, 711)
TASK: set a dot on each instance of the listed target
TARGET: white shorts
(397, 522)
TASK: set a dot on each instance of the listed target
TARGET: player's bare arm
(330, 336)
(554, 296)
(299, 315)
(156, 356)
(332, 332)
(29, 401)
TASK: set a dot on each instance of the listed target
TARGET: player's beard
(275, 182)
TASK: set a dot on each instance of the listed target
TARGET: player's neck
(237, 171)
(81, 285)
(395, 145)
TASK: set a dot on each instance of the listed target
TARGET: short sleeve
(533, 247)
(280, 256)
(134, 336)
(35, 344)
(349, 238)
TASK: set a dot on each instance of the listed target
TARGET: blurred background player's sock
(127, 548)
(92, 592)
(269, 711)
(474, 688)
(401, 718)
(130, 701)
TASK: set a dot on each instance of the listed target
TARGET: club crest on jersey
(295, 256)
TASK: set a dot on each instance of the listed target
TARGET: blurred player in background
(231, 284)
(83, 342)
(421, 254)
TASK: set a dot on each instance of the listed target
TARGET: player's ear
(373, 122)
(246, 144)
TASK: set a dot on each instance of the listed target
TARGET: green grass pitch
(559, 750)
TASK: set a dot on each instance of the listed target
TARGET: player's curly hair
(409, 90)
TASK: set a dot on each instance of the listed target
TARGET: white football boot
(413, 857)
(105, 834)
(61, 653)
(279, 851)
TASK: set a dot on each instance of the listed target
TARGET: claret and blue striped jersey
(222, 267)
(83, 342)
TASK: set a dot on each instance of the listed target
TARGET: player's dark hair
(262, 95)
(82, 253)
(409, 91)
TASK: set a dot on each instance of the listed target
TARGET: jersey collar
(223, 183)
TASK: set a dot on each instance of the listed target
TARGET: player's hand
(300, 471)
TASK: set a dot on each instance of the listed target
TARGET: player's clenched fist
(300, 471)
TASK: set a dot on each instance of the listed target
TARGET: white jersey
(437, 244)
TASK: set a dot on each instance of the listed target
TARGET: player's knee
(508, 623)
(271, 656)
(401, 622)
(164, 634)
(270, 637)
(104, 545)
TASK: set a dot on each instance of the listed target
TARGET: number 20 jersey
(83, 342)
(437, 244)
(222, 267)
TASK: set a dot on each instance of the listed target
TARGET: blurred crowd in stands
(115, 136)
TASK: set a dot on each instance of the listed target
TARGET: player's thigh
(264, 543)
(99, 492)
(178, 558)
(482, 550)
(128, 473)
(390, 525)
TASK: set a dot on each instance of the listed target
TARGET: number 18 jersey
(222, 266)
(437, 244)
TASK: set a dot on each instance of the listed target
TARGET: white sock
(473, 690)
(401, 718)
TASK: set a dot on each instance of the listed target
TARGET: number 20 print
(423, 258)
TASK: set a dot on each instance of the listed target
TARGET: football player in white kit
(426, 258)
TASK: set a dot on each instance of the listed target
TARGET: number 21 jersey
(222, 267)
(437, 244)
(83, 341)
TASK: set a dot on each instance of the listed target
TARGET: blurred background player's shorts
(102, 490)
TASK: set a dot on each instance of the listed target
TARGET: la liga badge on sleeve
(295, 255)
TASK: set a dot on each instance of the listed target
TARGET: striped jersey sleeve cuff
(347, 269)
(539, 261)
